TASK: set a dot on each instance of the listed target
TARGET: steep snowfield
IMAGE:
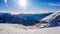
(20, 29)
(55, 14)
(49, 21)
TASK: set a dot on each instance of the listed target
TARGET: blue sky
(32, 5)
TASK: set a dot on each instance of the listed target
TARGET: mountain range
(25, 19)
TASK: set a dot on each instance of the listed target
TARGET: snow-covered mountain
(52, 16)
(49, 21)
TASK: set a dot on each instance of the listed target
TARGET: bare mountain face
(49, 21)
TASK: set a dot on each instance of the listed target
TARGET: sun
(23, 3)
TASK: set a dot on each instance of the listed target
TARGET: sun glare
(23, 3)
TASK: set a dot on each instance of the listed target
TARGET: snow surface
(55, 14)
(21, 29)
(48, 21)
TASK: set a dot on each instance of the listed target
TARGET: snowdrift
(14, 29)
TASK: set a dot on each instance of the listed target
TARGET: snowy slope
(14, 29)
(55, 14)
(49, 21)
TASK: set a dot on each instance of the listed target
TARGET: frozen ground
(20, 29)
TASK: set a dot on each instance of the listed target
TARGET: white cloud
(53, 4)
(24, 12)
(6, 3)
(28, 12)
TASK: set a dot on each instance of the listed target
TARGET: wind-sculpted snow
(19, 26)
(21, 29)
(39, 25)
(50, 21)
(55, 14)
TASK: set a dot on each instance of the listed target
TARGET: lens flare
(22, 3)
